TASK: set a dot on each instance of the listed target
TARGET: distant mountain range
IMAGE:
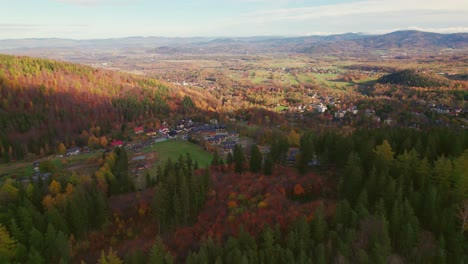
(350, 43)
(410, 41)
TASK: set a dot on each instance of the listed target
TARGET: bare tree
(463, 215)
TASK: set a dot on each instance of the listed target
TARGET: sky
(97, 19)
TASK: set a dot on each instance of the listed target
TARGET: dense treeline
(41, 219)
(179, 194)
(45, 103)
(400, 198)
(113, 176)
(48, 220)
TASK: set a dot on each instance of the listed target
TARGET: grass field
(16, 169)
(21, 169)
(281, 108)
(173, 149)
(327, 80)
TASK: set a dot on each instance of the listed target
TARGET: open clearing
(174, 148)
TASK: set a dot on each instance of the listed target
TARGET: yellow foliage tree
(93, 141)
(7, 244)
(111, 258)
(461, 172)
(48, 202)
(384, 151)
(61, 149)
(262, 204)
(294, 138)
(69, 189)
(103, 141)
(30, 190)
(55, 187)
(8, 192)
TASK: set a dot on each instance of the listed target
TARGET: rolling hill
(410, 41)
(45, 103)
(413, 78)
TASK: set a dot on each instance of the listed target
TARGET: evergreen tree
(158, 254)
(34, 257)
(185, 199)
(350, 184)
(239, 159)
(319, 226)
(320, 254)
(255, 159)
(216, 159)
(54, 217)
(161, 206)
(268, 165)
(229, 159)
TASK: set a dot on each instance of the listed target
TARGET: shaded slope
(45, 102)
(413, 78)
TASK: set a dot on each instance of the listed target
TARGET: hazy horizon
(231, 36)
(105, 19)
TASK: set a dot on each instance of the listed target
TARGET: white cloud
(359, 8)
(370, 16)
(81, 2)
(96, 2)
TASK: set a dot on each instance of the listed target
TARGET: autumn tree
(7, 245)
(61, 149)
(384, 154)
(294, 138)
(111, 258)
(103, 141)
(188, 104)
(463, 216)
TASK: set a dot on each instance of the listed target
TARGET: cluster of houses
(341, 113)
(212, 135)
(303, 70)
(215, 136)
(446, 110)
(319, 106)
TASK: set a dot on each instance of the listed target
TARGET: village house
(228, 146)
(172, 134)
(36, 166)
(73, 151)
(163, 130)
(138, 130)
(117, 143)
(320, 108)
(151, 132)
(291, 156)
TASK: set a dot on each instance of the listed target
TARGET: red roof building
(117, 143)
(138, 130)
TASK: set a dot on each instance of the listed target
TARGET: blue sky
(85, 19)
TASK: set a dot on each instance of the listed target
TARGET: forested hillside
(375, 196)
(281, 188)
(413, 78)
(45, 103)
